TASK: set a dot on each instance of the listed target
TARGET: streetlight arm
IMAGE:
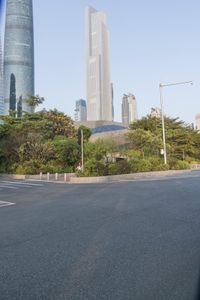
(177, 83)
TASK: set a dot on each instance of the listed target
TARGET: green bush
(31, 167)
(94, 167)
(161, 167)
(67, 150)
(120, 167)
(158, 164)
(113, 169)
(3, 167)
(142, 165)
(55, 166)
(148, 164)
(181, 165)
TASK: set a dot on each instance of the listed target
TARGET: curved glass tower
(18, 55)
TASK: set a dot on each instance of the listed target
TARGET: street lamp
(161, 86)
(82, 151)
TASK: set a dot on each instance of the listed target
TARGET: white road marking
(14, 185)
(22, 183)
(3, 204)
(8, 187)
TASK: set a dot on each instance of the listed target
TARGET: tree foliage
(34, 101)
(47, 139)
(181, 139)
(144, 151)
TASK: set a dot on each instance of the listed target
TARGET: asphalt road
(119, 241)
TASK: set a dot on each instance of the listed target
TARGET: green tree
(67, 150)
(32, 138)
(86, 134)
(182, 140)
(145, 141)
(61, 124)
(34, 101)
(35, 148)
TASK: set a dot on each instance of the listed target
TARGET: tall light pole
(82, 151)
(161, 86)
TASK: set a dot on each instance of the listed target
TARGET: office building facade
(129, 109)
(80, 111)
(99, 91)
(18, 56)
(1, 81)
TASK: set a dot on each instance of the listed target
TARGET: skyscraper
(1, 81)
(80, 111)
(18, 55)
(156, 113)
(99, 93)
(129, 109)
(197, 119)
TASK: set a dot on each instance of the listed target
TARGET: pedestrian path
(15, 185)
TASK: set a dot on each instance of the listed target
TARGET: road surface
(119, 241)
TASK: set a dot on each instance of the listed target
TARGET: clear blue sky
(151, 42)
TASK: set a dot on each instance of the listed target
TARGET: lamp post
(82, 151)
(161, 86)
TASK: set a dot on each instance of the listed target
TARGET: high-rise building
(18, 55)
(156, 112)
(80, 111)
(197, 118)
(1, 81)
(112, 95)
(99, 93)
(129, 109)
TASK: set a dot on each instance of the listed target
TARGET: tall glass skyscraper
(99, 91)
(1, 81)
(80, 111)
(18, 55)
(129, 109)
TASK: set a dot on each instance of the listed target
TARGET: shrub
(161, 167)
(181, 165)
(120, 167)
(67, 150)
(142, 165)
(94, 167)
(55, 166)
(158, 164)
(31, 167)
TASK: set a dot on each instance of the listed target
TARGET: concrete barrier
(134, 176)
(13, 176)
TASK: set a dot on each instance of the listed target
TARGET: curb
(126, 177)
(13, 176)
